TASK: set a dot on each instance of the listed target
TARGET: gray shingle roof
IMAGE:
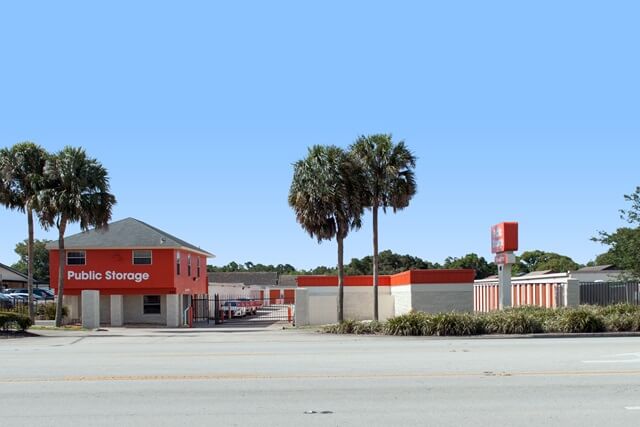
(11, 274)
(126, 233)
(246, 278)
(596, 268)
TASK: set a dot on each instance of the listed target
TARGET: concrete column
(90, 309)
(572, 293)
(173, 311)
(302, 307)
(117, 310)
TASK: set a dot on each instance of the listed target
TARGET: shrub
(513, 321)
(455, 324)
(581, 319)
(8, 319)
(410, 324)
(48, 311)
(354, 327)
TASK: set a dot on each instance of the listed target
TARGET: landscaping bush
(354, 327)
(519, 320)
(8, 319)
(410, 324)
(514, 321)
(578, 320)
(48, 311)
(455, 324)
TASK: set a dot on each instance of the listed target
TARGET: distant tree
(537, 260)
(40, 259)
(77, 190)
(624, 243)
(21, 180)
(326, 196)
(390, 181)
(472, 261)
(624, 250)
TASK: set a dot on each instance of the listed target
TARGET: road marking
(628, 358)
(632, 408)
(272, 377)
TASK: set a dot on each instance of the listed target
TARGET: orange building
(144, 275)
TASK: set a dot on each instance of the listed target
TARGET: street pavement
(275, 377)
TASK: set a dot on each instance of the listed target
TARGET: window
(142, 257)
(198, 266)
(189, 265)
(151, 304)
(178, 262)
(76, 258)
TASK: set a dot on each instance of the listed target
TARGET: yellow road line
(262, 377)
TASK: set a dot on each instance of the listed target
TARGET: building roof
(9, 274)
(597, 269)
(538, 273)
(288, 281)
(126, 233)
(245, 277)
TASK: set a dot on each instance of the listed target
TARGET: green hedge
(521, 320)
(10, 320)
(48, 311)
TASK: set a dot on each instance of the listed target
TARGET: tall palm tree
(77, 191)
(326, 196)
(21, 178)
(390, 179)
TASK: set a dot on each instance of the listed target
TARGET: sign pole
(504, 278)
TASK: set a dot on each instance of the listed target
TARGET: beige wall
(442, 298)
(105, 309)
(133, 311)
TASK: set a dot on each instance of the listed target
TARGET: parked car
(46, 294)
(250, 304)
(6, 302)
(22, 297)
(235, 307)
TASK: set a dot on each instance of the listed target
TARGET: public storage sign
(504, 237)
(108, 275)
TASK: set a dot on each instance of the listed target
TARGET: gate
(607, 293)
(218, 309)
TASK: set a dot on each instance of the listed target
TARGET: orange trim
(411, 277)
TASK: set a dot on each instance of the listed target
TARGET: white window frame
(188, 265)
(133, 256)
(198, 267)
(84, 256)
(178, 263)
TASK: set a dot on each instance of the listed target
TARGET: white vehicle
(235, 307)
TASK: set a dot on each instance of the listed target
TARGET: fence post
(572, 293)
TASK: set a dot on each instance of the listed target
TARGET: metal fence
(607, 293)
(217, 309)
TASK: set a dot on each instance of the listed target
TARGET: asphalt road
(272, 377)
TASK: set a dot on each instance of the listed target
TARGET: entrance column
(173, 311)
(90, 309)
(117, 310)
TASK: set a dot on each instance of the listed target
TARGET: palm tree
(21, 178)
(77, 191)
(388, 168)
(325, 195)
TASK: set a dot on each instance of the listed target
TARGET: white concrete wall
(442, 298)
(301, 313)
(133, 311)
(358, 303)
(402, 299)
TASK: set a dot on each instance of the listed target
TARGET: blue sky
(523, 111)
